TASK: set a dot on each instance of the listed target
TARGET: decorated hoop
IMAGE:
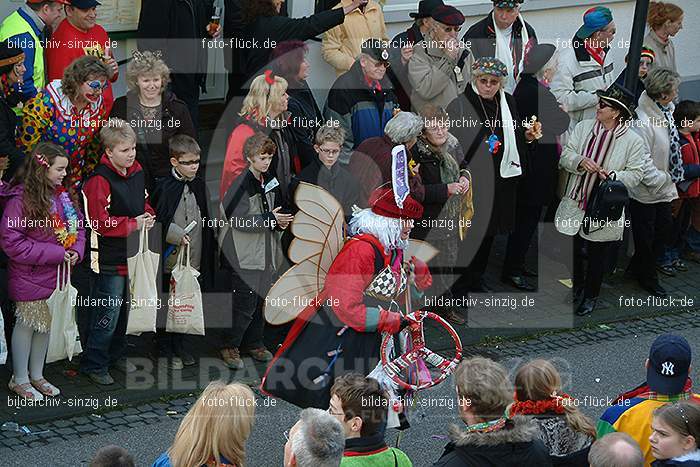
(394, 368)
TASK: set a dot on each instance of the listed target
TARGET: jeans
(693, 240)
(83, 279)
(106, 342)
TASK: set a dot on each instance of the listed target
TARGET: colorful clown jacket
(51, 116)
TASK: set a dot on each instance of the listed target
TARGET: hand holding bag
(63, 336)
(185, 311)
(143, 268)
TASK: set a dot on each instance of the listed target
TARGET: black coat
(176, 28)
(539, 183)
(398, 72)
(8, 143)
(337, 181)
(494, 195)
(482, 37)
(639, 85)
(265, 30)
(306, 118)
(517, 447)
(152, 148)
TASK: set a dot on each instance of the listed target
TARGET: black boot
(587, 306)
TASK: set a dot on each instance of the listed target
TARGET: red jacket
(68, 43)
(234, 161)
(690, 149)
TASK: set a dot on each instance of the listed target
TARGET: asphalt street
(594, 372)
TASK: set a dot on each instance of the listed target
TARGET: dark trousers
(6, 305)
(106, 342)
(83, 279)
(473, 274)
(527, 218)
(589, 276)
(651, 228)
(170, 344)
(249, 290)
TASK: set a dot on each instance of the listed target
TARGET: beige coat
(431, 73)
(629, 160)
(341, 45)
(665, 53)
(654, 130)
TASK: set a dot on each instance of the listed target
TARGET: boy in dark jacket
(253, 209)
(180, 200)
(489, 439)
(116, 204)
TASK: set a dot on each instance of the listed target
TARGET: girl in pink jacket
(41, 227)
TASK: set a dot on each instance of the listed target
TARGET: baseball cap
(669, 364)
(594, 19)
(376, 48)
(84, 4)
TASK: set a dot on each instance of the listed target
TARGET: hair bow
(269, 77)
(41, 159)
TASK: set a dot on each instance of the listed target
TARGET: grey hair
(609, 451)
(386, 229)
(661, 81)
(403, 127)
(550, 65)
(319, 441)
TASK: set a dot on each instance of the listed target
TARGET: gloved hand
(423, 278)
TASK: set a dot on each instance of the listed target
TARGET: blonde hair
(218, 424)
(261, 97)
(116, 131)
(538, 380)
(146, 63)
(485, 386)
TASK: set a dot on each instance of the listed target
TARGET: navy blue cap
(669, 363)
(84, 4)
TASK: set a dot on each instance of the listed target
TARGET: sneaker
(101, 379)
(123, 364)
(172, 363)
(187, 359)
(260, 354)
(667, 270)
(232, 358)
(679, 265)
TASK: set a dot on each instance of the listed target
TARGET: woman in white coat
(596, 148)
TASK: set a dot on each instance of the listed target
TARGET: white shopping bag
(63, 337)
(185, 311)
(143, 269)
(3, 342)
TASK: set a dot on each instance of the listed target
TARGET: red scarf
(598, 54)
(553, 405)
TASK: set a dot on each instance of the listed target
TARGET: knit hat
(669, 364)
(506, 3)
(490, 66)
(383, 203)
(449, 15)
(425, 8)
(620, 99)
(594, 20)
(648, 53)
(10, 55)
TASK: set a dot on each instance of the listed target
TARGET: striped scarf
(599, 145)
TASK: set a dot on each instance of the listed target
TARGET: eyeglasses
(330, 411)
(378, 64)
(286, 434)
(330, 152)
(602, 104)
(194, 162)
(97, 84)
(450, 29)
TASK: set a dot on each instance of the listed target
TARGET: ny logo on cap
(667, 369)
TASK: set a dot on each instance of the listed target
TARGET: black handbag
(606, 204)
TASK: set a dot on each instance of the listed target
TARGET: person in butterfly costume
(340, 329)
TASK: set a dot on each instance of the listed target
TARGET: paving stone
(132, 418)
(80, 420)
(87, 428)
(130, 411)
(115, 421)
(65, 431)
(72, 436)
(101, 425)
(36, 444)
(63, 423)
(11, 442)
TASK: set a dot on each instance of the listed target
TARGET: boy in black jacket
(180, 200)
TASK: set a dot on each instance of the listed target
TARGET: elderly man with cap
(402, 47)
(502, 34)
(586, 66)
(439, 69)
(341, 45)
(667, 369)
(362, 99)
(79, 35)
(28, 28)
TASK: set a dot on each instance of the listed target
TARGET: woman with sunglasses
(675, 435)
(11, 72)
(439, 69)
(70, 112)
(595, 149)
(154, 112)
